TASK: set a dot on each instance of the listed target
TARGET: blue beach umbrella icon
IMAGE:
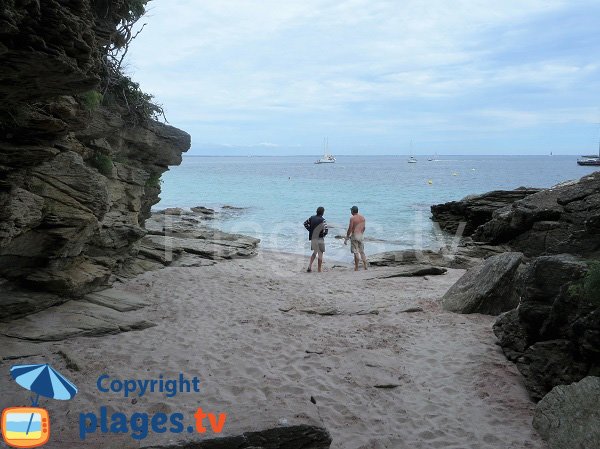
(44, 381)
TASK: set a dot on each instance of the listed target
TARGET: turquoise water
(278, 193)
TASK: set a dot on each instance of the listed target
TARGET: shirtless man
(356, 229)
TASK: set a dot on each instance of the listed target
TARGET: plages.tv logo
(26, 427)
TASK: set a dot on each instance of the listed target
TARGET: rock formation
(422, 257)
(562, 219)
(568, 416)
(487, 288)
(553, 336)
(183, 240)
(475, 210)
(77, 179)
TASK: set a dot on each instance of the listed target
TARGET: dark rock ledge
(287, 437)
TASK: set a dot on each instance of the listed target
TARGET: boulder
(203, 212)
(172, 211)
(511, 334)
(568, 416)
(487, 288)
(553, 336)
(472, 211)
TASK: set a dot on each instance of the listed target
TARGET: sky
(275, 77)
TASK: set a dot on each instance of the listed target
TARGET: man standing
(355, 233)
(317, 230)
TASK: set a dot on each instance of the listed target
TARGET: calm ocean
(276, 194)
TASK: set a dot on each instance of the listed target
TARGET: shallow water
(277, 194)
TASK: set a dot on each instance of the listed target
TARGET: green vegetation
(91, 99)
(127, 93)
(118, 88)
(154, 180)
(102, 163)
(589, 287)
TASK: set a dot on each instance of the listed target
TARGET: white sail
(327, 157)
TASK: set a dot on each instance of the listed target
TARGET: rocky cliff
(77, 175)
(562, 219)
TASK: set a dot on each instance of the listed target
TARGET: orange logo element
(25, 426)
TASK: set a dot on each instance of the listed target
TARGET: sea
(271, 197)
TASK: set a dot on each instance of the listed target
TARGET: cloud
(370, 66)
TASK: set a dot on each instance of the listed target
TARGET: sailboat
(592, 160)
(327, 158)
(412, 159)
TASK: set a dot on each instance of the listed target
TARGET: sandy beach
(375, 361)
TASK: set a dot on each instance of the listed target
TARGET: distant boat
(589, 160)
(412, 159)
(592, 160)
(327, 158)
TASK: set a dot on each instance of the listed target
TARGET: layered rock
(563, 219)
(472, 211)
(184, 240)
(77, 180)
(47, 49)
(568, 416)
(487, 288)
(553, 336)
(67, 222)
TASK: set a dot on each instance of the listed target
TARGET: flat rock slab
(71, 319)
(568, 416)
(418, 271)
(19, 303)
(12, 348)
(210, 249)
(117, 300)
(424, 257)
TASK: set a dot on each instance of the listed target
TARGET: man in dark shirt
(317, 230)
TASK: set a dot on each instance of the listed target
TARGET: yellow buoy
(430, 182)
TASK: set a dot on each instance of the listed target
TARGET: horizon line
(377, 155)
